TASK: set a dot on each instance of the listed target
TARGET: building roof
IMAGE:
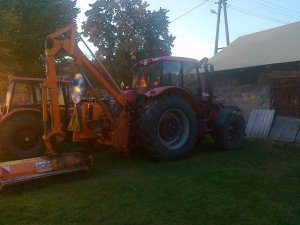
(277, 45)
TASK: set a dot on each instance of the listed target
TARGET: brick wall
(250, 91)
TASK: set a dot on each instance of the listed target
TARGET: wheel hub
(26, 138)
(173, 128)
(170, 127)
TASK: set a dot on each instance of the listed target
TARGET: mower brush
(19, 171)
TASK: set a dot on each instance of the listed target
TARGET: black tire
(232, 132)
(168, 128)
(21, 136)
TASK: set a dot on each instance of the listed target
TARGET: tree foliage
(24, 25)
(120, 28)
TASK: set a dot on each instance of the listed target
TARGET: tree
(24, 25)
(120, 28)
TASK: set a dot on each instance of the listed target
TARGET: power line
(291, 10)
(257, 15)
(177, 18)
(261, 9)
(274, 9)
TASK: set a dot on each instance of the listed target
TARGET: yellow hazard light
(77, 89)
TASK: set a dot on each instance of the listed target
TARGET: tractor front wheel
(168, 128)
(232, 132)
(21, 136)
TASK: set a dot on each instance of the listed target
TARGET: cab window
(23, 94)
(190, 79)
(171, 73)
(146, 76)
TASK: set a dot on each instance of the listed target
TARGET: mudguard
(223, 114)
(173, 90)
(18, 111)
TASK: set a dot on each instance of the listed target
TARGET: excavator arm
(65, 40)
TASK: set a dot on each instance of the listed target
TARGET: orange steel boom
(66, 40)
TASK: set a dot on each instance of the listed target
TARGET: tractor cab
(170, 71)
(22, 93)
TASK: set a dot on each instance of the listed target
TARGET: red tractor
(176, 107)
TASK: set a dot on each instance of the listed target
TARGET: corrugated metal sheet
(277, 127)
(290, 131)
(284, 129)
(277, 45)
(259, 123)
(297, 139)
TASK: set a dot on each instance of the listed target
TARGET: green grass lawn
(259, 184)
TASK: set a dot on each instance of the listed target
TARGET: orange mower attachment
(18, 171)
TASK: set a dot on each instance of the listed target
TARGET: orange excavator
(170, 106)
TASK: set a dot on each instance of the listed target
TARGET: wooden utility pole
(220, 4)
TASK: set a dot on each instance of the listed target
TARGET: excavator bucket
(18, 171)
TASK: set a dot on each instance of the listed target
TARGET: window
(23, 94)
(38, 92)
(146, 76)
(190, 77)
(171, 73)
(154, 75)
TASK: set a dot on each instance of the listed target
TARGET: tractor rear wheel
(168, 128)
(21, 136)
